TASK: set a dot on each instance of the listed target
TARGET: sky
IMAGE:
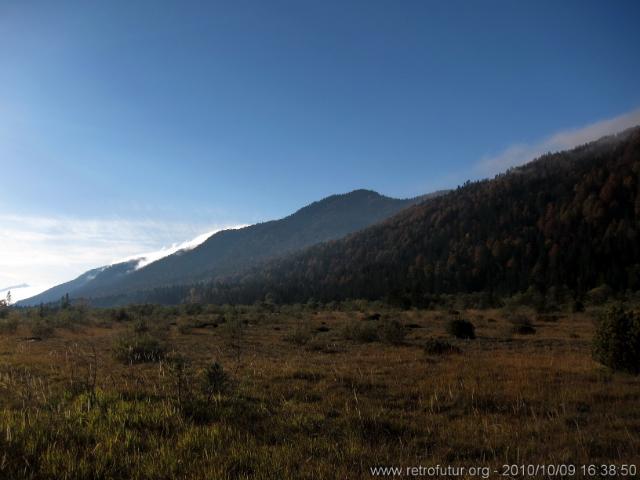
(133, 126)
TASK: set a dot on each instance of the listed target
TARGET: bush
(323, 344)
(577, 306)
(139, 348)
(10, 325)
(360, 332)
(525, 329)
(119, 315)
(616, 343)
(391, 331)
(300, 336)
(549, 317)
(181, 375)
(215, 380)
(184, 328)
(193, 309)
(600, 295)
(41, 329)
(68, 318)
(434, 346)
(460, 328)
(521, 325)
(140, 326)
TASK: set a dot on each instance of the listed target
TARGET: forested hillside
(566, 222)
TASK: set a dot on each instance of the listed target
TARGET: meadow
(304, 392)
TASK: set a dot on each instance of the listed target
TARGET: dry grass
(325, 407)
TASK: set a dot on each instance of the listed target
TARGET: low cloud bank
(14, 287)
(150, 257)
(519, 154)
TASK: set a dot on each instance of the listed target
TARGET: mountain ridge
(229, 251)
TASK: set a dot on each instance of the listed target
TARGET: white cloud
(13, 287)
(46, 251)
(150, 257)
(519, 154)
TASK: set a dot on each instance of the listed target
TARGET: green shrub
(523, 329)
(215, 381)
(323, 344)
(360, 332)
(600, 295)
(388, 331)
(549, 317)
(41, 329)
(119, 315)
(193, 308)
(9, 325)
(577, 306)
(616, 343)
(180, 373)
(184, 328)
(299, 336)
(460, 328)
(521, 325)
(69, 318)
(139, 348)
(434, 346)
(140, 326)
(391, 331)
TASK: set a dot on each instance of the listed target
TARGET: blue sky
(135, 125)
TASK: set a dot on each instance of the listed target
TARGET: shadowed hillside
(96, 277)
(565, 222)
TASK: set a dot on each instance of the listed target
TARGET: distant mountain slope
(231, 251)
(567, 219)
(97, 276)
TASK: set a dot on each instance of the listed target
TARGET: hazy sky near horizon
(192, 116)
